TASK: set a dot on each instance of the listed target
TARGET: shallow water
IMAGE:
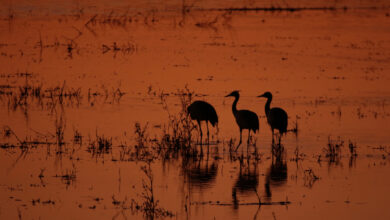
(327, 68)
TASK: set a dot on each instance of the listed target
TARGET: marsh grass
(309, 178)
(30, 94)
(150, 205)
(177, 134)
(295, 128)
(104, 95)
(298, 156)
(125, 152)
(60, 132)
(24, 96)
(143, 149)
(115, 19)
(100, 146)
(352, 148)
(333, 150)
(69, 177)
(22, 144)
(127, 48)
(77, 138)
(140, 135)
(175, 139)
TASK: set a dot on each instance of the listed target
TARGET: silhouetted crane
(203, 111)
(245, 119)
(276, 117)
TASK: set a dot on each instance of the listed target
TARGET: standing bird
(203, 111)
(245, 119)
(276, 117)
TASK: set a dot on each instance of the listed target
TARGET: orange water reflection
(328, 70)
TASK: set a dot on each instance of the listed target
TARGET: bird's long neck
(234, 106)
(267, 106)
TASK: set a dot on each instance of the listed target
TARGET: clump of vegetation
(149, 206)
(333, 149)
(126, 49)
(295, 128)
(309, 178)
(7, 132)
(77, 138)
(23, 144)
(115, 19)
(352, 148)
(27, 93)
(125, 152)
(59, 131)
(69, 176)
(140, 135)
(142, 148)
(177, 134)
(298, 155)
(100, 146)
(104, 95)
(180, 125)
(21, 97)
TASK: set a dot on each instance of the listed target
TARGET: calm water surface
(329, 69)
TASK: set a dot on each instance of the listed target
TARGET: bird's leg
(234, 197)
(273, 141)
(247, 144)
(200, 129)
(240, 136)
(240, 140)
(249, 134)
(208, 150)
(208, 138)
(272, 135)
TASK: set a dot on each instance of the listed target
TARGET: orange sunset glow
(194, 109)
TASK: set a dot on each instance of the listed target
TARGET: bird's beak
(261, 95)
(228, 95)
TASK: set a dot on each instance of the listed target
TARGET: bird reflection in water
(247, 180)
(200, 172)
(199, 175)
(276, 175)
